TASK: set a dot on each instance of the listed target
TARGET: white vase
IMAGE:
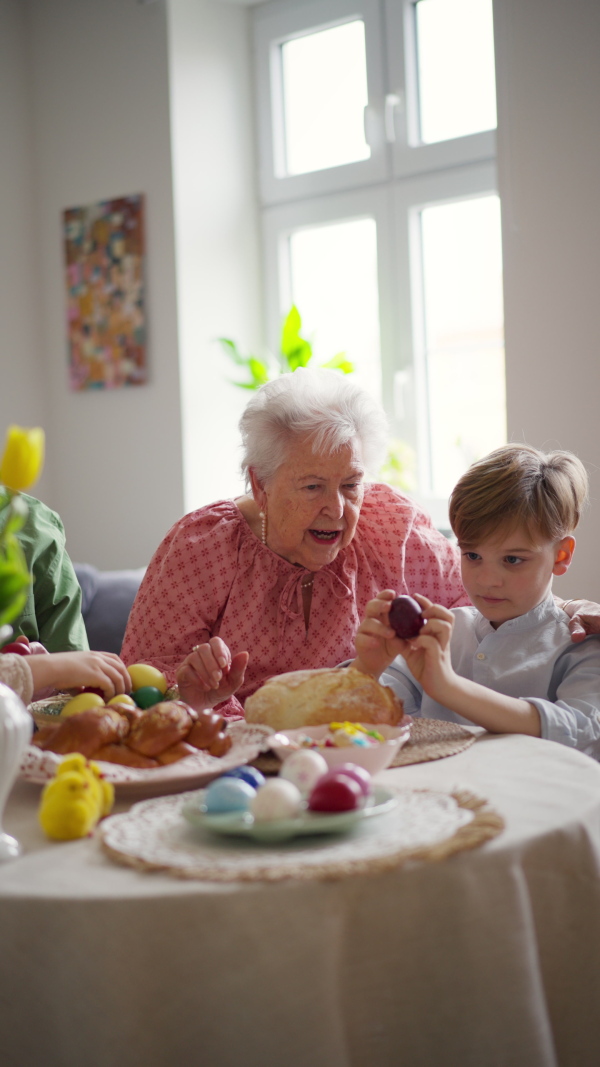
(16, 727)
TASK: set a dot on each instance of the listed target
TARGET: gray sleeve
(571, 714)
(398, 677)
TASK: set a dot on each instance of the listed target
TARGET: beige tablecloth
(489, 958)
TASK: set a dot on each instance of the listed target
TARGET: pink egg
(359, 774)
(304, 768)
(336, 792)
(276, 799)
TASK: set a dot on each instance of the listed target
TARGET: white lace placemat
(424, 825)
(193, 771)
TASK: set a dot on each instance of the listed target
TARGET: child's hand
(428, 655)
(68, 670)
(375, 642)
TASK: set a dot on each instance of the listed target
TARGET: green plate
(243, 824)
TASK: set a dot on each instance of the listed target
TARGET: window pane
(334, 286)
(324, 96)
(462, 279)
(455, 49)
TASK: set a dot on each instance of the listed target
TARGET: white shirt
(532, 658)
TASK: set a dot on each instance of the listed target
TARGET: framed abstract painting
(106, 320)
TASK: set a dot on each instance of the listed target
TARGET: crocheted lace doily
(154, 835)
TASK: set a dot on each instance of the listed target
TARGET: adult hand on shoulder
(210, 674)
(584, 616)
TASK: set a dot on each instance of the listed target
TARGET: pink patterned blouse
(212, 576)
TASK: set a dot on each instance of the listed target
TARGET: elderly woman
(278, 580)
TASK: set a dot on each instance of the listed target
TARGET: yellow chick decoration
(75, 799)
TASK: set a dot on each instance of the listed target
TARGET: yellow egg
(123, 699)
(143, 674)
(82, 702)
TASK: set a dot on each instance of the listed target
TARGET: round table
(489, 957)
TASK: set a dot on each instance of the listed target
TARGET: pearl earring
(263, 527)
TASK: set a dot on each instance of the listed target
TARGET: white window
(381, 218)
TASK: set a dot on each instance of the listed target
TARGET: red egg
(406, 617)
(18, 647)
(335, 792)
(93, 689)
(352, 770)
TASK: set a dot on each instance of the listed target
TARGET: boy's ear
(564, 555)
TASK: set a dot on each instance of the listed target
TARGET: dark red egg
(406, 617)
(335, 792)
(352, 770)
(93, 689)
(18, 647)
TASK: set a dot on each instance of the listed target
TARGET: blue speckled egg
(247, 774)
(228, 794)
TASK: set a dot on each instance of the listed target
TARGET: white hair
(325, 406)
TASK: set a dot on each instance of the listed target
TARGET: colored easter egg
(228, 794)
(143, 674)
(122, 699)
(147, 696)
(247, 774)
(359, 774)
(18, 648)
(406, 617)
(303, 769)
(276, 799)
(336, 792)
(82, 702)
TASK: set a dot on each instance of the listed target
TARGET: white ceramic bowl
(373, 758)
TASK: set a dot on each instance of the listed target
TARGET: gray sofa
(107, 597)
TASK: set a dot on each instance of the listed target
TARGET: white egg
(276, 799)
(304, 768)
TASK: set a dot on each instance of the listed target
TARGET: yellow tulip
(23, 458)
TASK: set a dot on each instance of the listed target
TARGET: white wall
(21, 385)
(99, 79)
(548, 71)
(218, 255)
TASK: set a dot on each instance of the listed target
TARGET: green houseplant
(296, 351)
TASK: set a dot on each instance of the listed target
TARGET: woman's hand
(584, 616)
(68, 670)
(210, 675)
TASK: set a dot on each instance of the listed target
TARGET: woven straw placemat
(430, 739)
(425, 825)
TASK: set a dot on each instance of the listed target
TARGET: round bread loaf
(315, 698)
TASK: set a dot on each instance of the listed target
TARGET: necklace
(307, 585)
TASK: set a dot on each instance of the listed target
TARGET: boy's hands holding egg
(428, 655)
(376, 642)
(426, 652)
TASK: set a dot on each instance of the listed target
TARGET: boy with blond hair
(508, 662)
